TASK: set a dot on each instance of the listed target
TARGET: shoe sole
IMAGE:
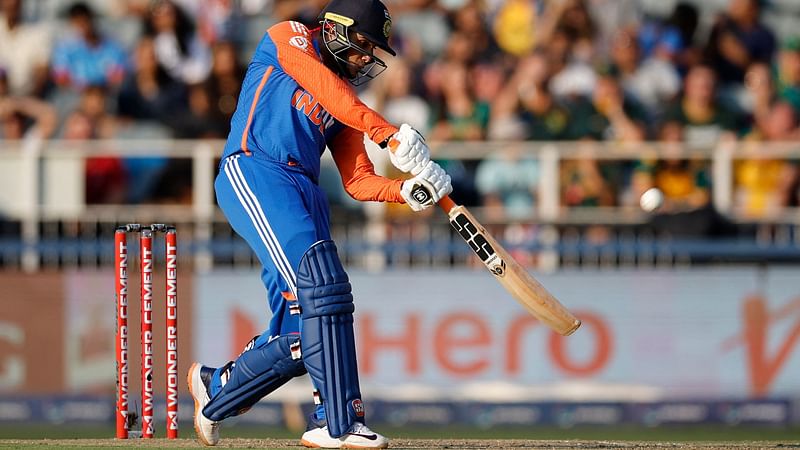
(190, 382)
(358, 446)
(308, 444)
(313, 445)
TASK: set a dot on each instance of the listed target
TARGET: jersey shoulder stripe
(293, 33)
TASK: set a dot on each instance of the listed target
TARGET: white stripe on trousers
(253, 208)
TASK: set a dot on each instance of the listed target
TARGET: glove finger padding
(427, 188)
(408, 150)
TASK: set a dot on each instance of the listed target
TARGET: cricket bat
(509, 273)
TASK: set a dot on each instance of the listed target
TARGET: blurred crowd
(627, 72)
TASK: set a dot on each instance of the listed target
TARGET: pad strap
(328, 344)
(257, 372)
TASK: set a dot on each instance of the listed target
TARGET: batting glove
(427, 188)
(408, 150)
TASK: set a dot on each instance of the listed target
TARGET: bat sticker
(479, 244)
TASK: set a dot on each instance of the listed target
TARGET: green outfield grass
(626, 433)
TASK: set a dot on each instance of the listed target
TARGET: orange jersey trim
(264, 79)
(357, 171)
(298, 58)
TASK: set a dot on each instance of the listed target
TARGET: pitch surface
(399, 444)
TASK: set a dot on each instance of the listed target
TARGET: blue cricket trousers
(280, 212)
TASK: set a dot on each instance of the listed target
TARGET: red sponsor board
(32, 334)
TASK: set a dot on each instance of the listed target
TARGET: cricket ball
(651, 200)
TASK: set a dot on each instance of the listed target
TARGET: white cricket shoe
(359, 436)
(207, 430)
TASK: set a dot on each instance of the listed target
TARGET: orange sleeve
(298, 58)
(358, 174)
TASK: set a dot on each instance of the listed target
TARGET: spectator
(687, 210)
(572, 17)
(106, 177)
(758, 94)
(650, 82)
(672, 40)
(607, 115)
(764, 186)
(458, 53)
(470, 21)
(217, 20)
(507, 182)
(698, 114)
(391, 95)
(684, 182)
(610, 16)
(148, 93)
(514, 27)
(24, 117)
(573, 74)
(178, 47)
(459, 50)
(458, 115)
(200, 120)
(568, 31)
(24, 51)
(227, 73)
(424, 25)
(737, 40)
(147, 101)
(86, 57)
(584, 181)
(525, 108)
(488, 80)
(544, 117)
(788, 73)
(93, 105)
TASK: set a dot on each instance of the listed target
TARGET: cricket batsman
(295, 101)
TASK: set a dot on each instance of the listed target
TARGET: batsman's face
(362, 55)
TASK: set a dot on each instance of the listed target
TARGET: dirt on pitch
(399, 444)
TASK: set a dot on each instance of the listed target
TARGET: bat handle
(446, 204)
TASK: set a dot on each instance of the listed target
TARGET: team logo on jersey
(299, 42)
(304, 102)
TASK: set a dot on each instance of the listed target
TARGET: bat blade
(510, 274)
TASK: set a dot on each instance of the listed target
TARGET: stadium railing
(45, 219)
